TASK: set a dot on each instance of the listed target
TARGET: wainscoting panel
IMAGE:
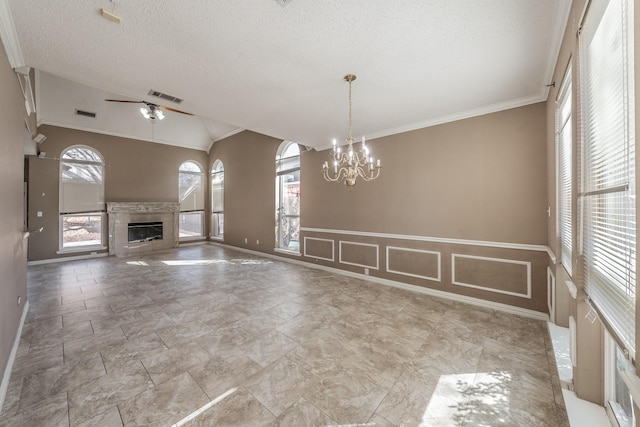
(359, 254)
(414, 263)
(318, 248)
(513, 274)
(504, 276)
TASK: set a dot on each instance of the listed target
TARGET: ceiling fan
(151, 111)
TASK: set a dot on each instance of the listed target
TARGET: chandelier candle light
(349, 165)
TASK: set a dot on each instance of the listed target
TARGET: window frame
(606, 197)
(189, 212)
(282, 170)
(91, 212)
(564, 171)
(217, 170)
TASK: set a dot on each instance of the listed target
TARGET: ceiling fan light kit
(151, 111)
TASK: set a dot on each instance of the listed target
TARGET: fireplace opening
(145, 231)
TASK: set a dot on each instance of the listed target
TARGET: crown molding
(9, 36)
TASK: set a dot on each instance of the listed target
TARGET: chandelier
(347, 166)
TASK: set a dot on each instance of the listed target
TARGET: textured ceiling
(276, 70)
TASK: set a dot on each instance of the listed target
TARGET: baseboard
(67, 258)
(506, 308)
(4, 386)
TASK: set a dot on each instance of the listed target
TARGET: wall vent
(86, 113)
(165, 96)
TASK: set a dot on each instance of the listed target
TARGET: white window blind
(81, 181)
(564, 172)
(607, 190)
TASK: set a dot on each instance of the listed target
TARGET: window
(82, 206)
(288, 197)
(217, 200)
(607, 188)
(191, 179)
(617, 395)
(564, 171)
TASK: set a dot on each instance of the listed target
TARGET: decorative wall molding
(438, 278)
(505, 308)
(484, 288)
(4, 386)
(332, 259)
(9, 36)
(346, 242)
(503, 245)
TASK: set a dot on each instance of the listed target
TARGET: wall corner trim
(9, 36)
(4, 386)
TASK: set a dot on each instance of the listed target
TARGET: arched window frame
(81, 200)
(191, 193)
(217, 200)
(287, 228)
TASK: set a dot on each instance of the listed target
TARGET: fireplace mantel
(143, 207)
(122, 213)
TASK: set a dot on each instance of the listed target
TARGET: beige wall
(249, 179)
(12, 247)
(135, 171)
(481, 179)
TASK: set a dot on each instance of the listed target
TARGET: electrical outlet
(19, 300)
(257, 242)
(245, 240)
(39, 214)
(366, 271)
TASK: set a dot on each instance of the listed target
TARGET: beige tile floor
(252, 341)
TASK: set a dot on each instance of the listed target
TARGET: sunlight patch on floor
(200, 410)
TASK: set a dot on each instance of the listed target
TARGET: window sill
(286, 251)
(216, 238)
(191, 238)
(81, 249)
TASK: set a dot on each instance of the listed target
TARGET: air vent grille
(86, 113)
(165, 96)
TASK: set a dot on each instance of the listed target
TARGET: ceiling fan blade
(120, 100)
(162, 107)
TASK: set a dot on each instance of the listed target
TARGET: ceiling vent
(86, 113)
(283, 3)
(165, 96)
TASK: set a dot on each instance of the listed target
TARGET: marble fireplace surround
(122, 213)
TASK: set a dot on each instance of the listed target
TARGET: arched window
(82, 206)
(288, 197)
(217, 200)
(191, 184)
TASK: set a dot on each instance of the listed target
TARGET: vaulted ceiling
(278, 70)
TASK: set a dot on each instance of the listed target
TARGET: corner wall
(459, 207)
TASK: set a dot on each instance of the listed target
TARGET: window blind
(564, 173)
(607, 192)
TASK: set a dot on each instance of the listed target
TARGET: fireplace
(142, 227)
(145, 231)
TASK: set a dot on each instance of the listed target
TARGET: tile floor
(251, 341)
